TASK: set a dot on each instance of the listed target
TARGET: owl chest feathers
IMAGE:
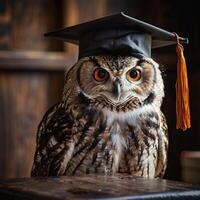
(114, 144)
(128, 138)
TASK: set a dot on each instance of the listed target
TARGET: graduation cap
(121, 34)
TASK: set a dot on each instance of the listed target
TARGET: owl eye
(100, 74)
(134, 74)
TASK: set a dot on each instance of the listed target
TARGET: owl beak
(116, 88)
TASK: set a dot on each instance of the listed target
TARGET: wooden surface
(96, 187)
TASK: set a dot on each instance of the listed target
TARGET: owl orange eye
(100, 74)
(134, 74)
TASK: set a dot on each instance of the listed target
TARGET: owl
(108, 122)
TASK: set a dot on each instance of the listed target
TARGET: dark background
(32, 69)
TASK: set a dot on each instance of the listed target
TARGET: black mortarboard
(117, 34)
(123, 35)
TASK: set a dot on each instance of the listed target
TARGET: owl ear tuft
(182, 90)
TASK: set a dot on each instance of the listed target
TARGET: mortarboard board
(116, 34)
(121, 34)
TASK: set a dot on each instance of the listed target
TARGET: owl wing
(54, 142)
(162, 147)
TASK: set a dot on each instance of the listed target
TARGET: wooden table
(96, 187)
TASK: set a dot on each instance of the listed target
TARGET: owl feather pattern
(109, 121)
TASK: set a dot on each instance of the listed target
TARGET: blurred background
(32, 69)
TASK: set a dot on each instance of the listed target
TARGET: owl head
(118, 83)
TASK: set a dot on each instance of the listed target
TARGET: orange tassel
(182, 90)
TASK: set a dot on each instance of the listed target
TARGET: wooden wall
(23, 23)
(31, 75)
(30, 83)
